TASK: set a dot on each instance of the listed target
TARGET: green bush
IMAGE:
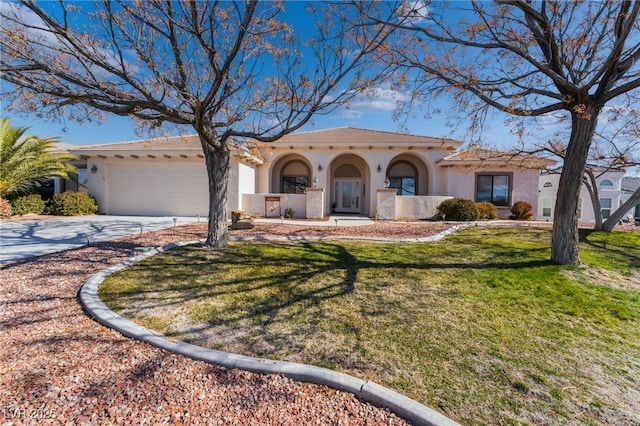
(32, 203)
(5, 208)
(487, 210)
(521, 210)
(73, 204)
(458, 209)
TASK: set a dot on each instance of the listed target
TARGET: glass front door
(346, 196)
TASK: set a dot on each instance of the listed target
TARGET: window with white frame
(606, 183)
(547, 204)
(605, 207)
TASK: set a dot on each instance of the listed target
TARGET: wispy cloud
(379, 99)
(414, 12)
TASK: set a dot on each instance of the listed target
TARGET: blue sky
(375, 112)
(372, 113)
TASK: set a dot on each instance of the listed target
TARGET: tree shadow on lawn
(246, 307)
(610, 243)
(282, 289)
(188, 275)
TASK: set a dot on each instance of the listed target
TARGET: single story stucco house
(310, 174)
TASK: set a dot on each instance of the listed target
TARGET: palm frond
(26, 160)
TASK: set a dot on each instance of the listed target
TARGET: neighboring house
(610, 192)
(629, 186)
(343, 170)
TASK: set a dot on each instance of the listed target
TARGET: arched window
(606, 182)
(547, 185)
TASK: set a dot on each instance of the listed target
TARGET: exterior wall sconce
(94, 168)
(315, 182)
(319, 167)
(379, 168)
(386, 182)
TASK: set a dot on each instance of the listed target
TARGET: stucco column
(315, 203)
(386, 204)
(97, 183)
(262, 179)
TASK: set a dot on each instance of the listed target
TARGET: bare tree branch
(226, 69)
(526, 59)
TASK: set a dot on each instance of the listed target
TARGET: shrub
(32, 203)
(458, 209)
(487, 210)
(288, 213)
(521, 210)
(73, 204)
(5, 208)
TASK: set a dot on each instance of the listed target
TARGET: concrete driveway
(20, 240)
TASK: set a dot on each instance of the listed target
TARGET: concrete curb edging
(367, 391)
(298, 238)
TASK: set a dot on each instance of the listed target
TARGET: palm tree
(26, 160)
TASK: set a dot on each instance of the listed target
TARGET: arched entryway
(408, 174)
(349, 185)
(290, 174)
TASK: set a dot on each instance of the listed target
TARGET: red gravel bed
(60, 367)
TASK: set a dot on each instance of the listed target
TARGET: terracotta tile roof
(187, 145)
(491, 158)
(363, 137)
(343, 136)
(173, 143)
(62, 147)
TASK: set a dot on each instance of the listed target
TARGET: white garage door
(161, 189)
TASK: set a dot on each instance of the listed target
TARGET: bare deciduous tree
(615, 148)
(229, 70)
(526, 59)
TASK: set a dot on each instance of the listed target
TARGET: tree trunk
(610, 223)
(217, 160)
(565, 239)
(592, 188)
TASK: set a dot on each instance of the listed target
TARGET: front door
(346, 195)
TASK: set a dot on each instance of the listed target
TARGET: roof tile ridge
(116, 144)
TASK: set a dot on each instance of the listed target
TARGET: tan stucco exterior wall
(324, 161)
(461, 182)
(184, 179)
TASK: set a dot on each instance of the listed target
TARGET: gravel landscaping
(60, 367)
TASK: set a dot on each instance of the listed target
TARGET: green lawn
(479, 326)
